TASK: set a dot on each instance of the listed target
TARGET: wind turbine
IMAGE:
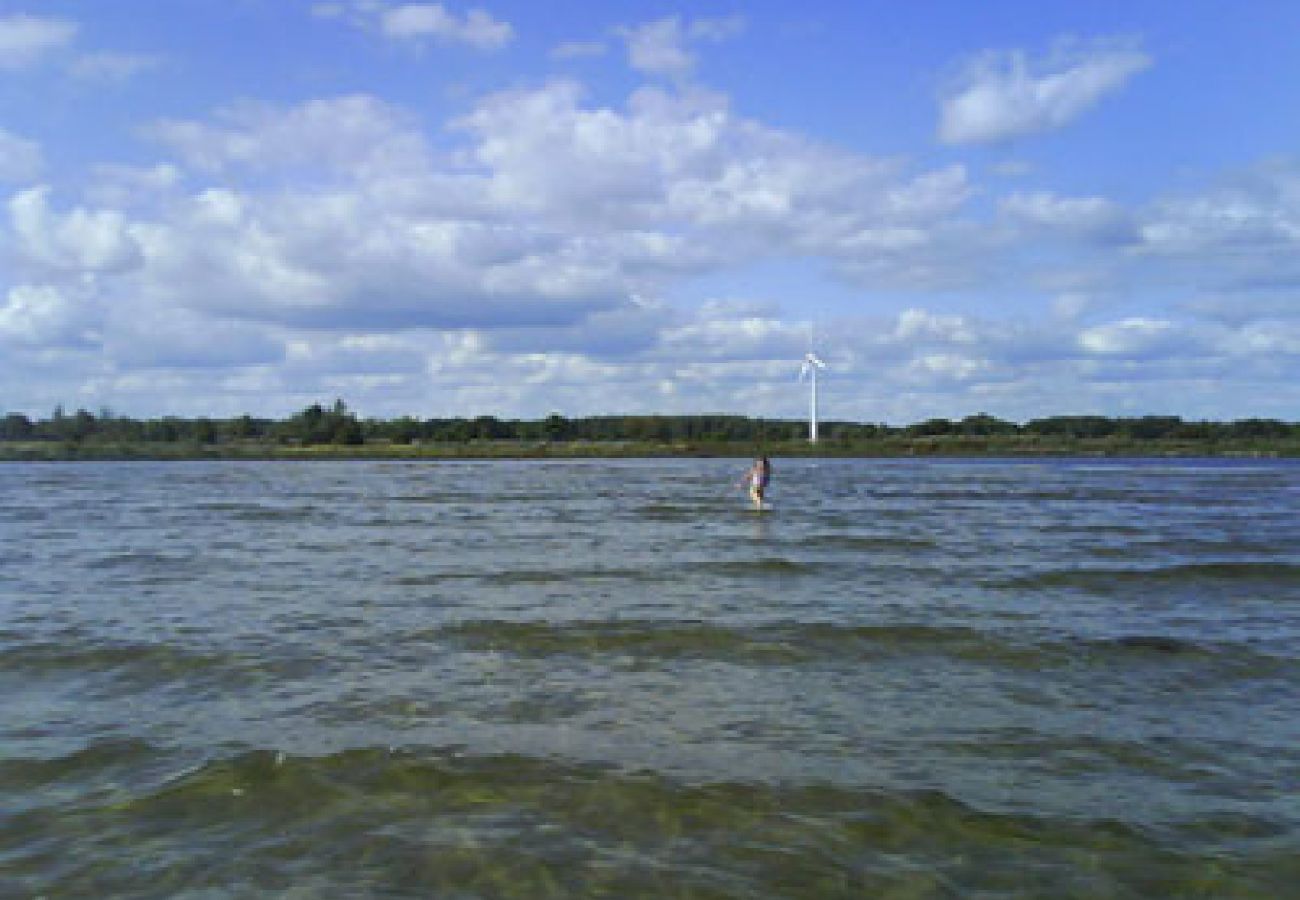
(809, 370)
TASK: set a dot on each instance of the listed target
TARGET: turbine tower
(809, 370)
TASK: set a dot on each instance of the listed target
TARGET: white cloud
(25, 39)
(1239, 236)
(326, 249)
(941, 367)
(358, 354)
(661, 47)
(918, 325)
(42, 315)
(126, 186)
(356, 134)
(113, 68)
(729, 332)
(675, 162)
(20, 159)
(80, 240)
(342, 261)
(477, 28)
(1094, 217)
(550, 215)
(1005, 95)
(1275, 338)
(418, 21)
(1241, 219)
(1136, 336)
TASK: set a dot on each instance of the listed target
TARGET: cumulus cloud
(43, 316)
(420, 21)
(25, 40)
(20, 159)
(340, 262)
(79, 240)
(551, 214)
(675, 161)
(1002, 95)
(662, 47)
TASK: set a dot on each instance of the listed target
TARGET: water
(610, 678)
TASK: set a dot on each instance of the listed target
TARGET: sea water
(612, 678)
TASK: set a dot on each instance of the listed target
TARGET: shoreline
(964, 448)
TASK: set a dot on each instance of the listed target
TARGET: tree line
(337, 425)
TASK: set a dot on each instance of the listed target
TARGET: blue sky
(625, 207)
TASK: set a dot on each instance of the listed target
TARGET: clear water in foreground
(609, 678)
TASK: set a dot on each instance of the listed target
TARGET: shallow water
(610, 678)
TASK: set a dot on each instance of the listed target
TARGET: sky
(217, 207)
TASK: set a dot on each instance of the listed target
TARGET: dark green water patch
(130, 667)
(102, 759)
(779, 643)
(761, 567)
(1221, 574)
(419, 822)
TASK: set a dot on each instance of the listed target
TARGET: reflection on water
(613, 678)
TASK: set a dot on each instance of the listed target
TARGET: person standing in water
(759, 474)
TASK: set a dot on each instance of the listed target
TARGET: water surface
(610, 678)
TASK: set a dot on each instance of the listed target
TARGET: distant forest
(337, 426)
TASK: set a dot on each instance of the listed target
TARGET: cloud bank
(553, 247)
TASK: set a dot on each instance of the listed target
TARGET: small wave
(1153, 643)
(554, 576)
(281, 514)
(138, 559)
(1189, 573)
(509, 577)
(764, 565)
(628, 638)
(869, 542)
